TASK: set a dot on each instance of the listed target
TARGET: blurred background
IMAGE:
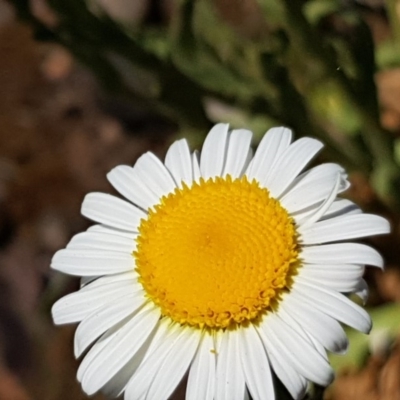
(87, 85)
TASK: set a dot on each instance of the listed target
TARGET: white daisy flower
(223, 267)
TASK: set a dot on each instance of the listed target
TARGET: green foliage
(310, 67)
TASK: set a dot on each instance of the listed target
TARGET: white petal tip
(57, 314)
(343, 348)
(77, 350)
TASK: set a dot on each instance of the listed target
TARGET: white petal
(174, 365)
(104, 318)
(295, 383)
(99, 228)
(341, 253)
(332, 303)
(313, 186)
(362, 291)
(104, 241)
(213, 153)
(271, 147)
(344, 228)
(218, 336)
(255, 364)
(291, 162)
(167, 337)
(249, 157)
(116, 385)
(84, 262)
(179, 163)
(196, 166)
(237, 152)
(97, 349)
(230, 383)
(76, 306)
(342, 278)
(153, 173)
(130, 276)
(120, 349)
(321, 350)
(112, 211)
(341, 207)
(326, 330)
(300, 353)
(332, 270)
(201, 380)
(303, 334)
(126, 181)
(319, 211)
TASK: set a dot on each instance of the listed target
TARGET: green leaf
(315, 10)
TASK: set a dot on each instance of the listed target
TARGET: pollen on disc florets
(217, 253)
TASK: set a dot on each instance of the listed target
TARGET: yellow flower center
(217, 253)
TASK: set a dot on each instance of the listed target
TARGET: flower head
(224, 267)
